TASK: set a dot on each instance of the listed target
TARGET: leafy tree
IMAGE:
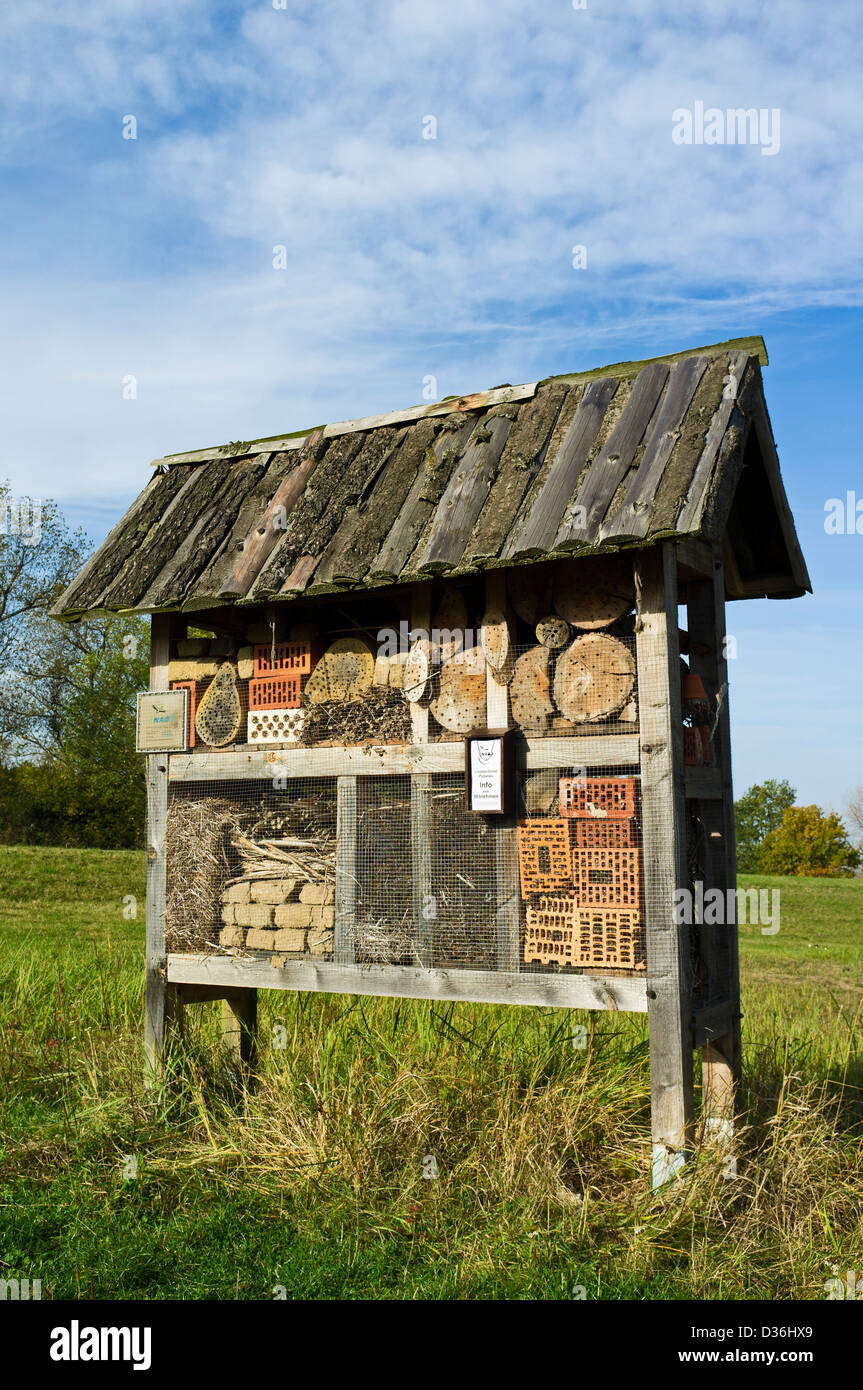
(69, 773)
(808, 841)
(758, 812)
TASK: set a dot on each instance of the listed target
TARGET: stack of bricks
(279, 915)
(581, 875)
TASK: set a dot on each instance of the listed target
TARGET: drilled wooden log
(594, 678)
(459, 702)
(345, 672)
(594, 592)
(530, 690)
(552, 632)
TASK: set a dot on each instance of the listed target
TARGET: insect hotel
(439, 705)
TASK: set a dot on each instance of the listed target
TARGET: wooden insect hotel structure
(425, 719)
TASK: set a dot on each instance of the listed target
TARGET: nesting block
(318, 893)
(228, 911)
(232, 936)
(236, 893)
(253, 915)
(321, 941)
(275, 725)
(602, 798)
(272, 890)
(607, 877)
(544, 855)
(289, 939)
(305, 915)
(259, 939)
(245, 663)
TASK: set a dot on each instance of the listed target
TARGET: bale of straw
(199, 861)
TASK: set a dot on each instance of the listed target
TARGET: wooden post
(239, 1026)
(346, 870)
(665, 870)
(507, 899)
(421, 786)
(707, 657)
(160, 1001)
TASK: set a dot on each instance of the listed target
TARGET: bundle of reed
(307, 860)
(198, 858)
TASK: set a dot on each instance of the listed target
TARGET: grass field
(314, 1182)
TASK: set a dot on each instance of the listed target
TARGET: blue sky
(449, 257)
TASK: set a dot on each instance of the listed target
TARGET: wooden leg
(239, 1026)
(665, 870)
(717, 1090)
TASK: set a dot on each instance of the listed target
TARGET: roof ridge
(477, 400)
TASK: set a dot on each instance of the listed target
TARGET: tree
(808, 841)
(855, 813)
(758, 812)
(70, 774)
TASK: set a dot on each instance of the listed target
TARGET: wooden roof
(675, 447)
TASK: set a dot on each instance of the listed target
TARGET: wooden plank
(464, 495)
(78, 595)
(479, 400)
(496, 695)
(770, 459)
(694, 559)
(703, 783)
(721, 1055)
(421, 501)
(711, 1022)
(620, 993)
(522, 458)
(239, 1026)
(690, 513)
(614, 460)
(665, 868)
(420, 622)
(389, 760)
(632, 518)
(346, 869)
(262, 538)
(156, 999)
(423, 897)
(537, 535)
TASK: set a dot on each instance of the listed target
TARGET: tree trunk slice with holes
(530, 588)
(219, 716)
(530, 690)
(345, 672)
(450, 617)
(595, 677)
(594, 592)
(459, 703)
(552, 632)
(417, 671)
(541, 790)
(496, 639)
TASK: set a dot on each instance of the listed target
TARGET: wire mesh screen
(358, 866)
(395, 870)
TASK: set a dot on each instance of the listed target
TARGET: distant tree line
(774, 836)
(69, 773)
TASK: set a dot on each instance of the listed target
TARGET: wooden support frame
(663, 831)
(160, 1003)
(720, 1048)
(239, 1028)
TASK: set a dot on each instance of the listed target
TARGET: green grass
(313, 1180)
